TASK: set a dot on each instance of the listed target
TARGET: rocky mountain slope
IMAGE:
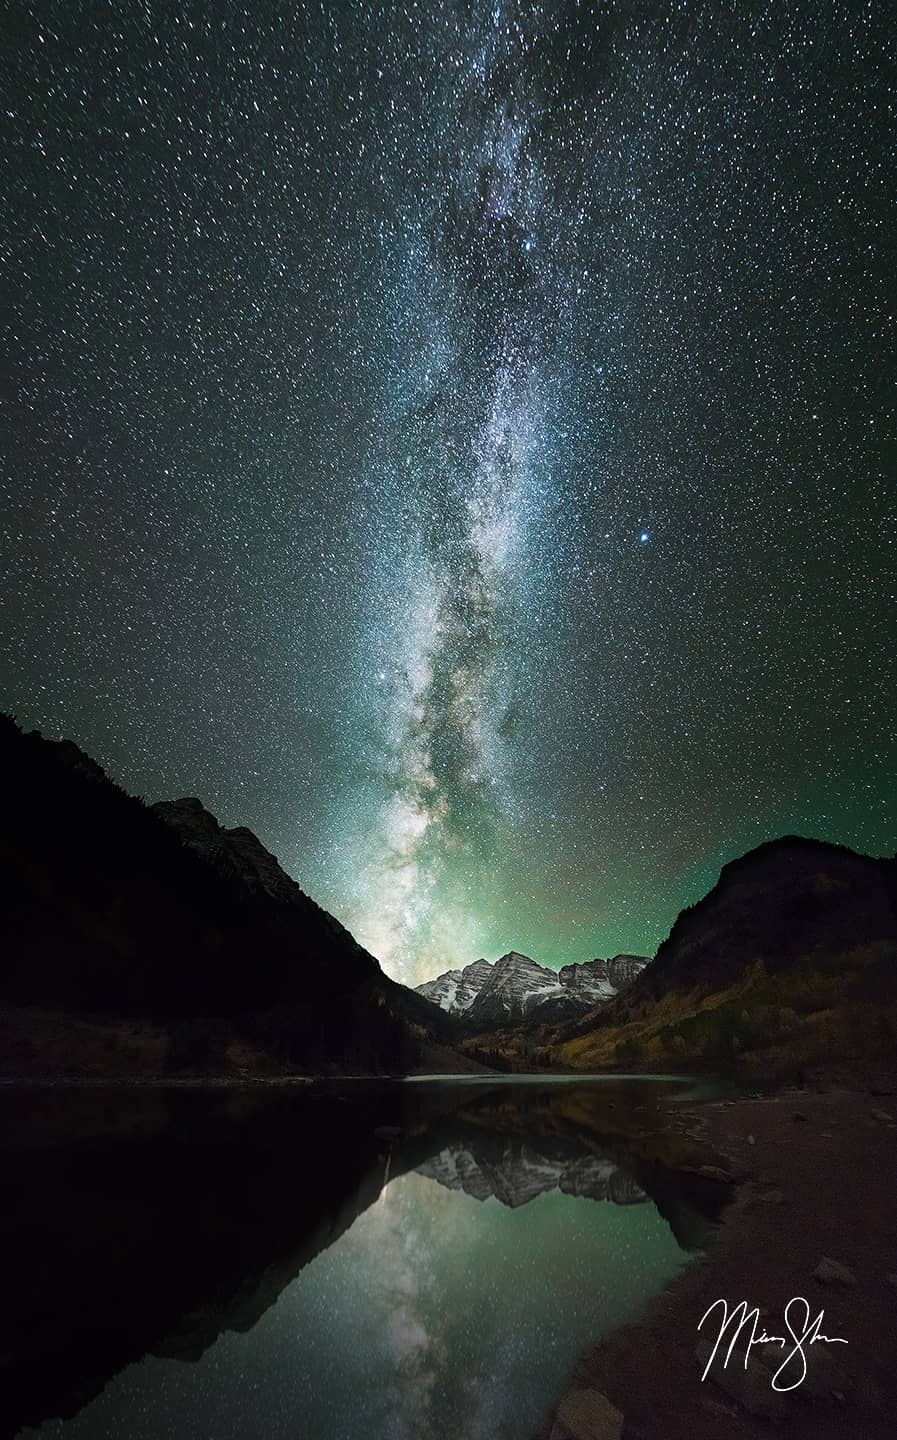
(237, 852)
(516, 990)
(790, 960)
(456, 990)
(124, 920)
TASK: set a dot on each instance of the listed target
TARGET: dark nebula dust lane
(456, 441)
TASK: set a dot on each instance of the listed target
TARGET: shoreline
(816, 1173)
(481, 1076)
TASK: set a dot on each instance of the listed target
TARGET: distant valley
(145, 941)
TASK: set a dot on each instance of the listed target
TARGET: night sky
(455, 440)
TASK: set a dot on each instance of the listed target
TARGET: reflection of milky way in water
(437, 1316)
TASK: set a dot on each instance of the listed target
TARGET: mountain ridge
(789, 960)
(516, 989)
(162, 925)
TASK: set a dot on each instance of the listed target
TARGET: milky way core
(471, 441)
(450, 439)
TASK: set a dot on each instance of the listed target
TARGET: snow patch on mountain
(516, 988)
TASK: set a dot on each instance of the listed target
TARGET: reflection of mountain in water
(151, 1221)
(516, 1174)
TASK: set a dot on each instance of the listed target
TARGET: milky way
(469, 443)
(456, 441)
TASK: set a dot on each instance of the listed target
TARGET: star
(347, 350)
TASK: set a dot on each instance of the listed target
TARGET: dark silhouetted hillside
(218, 960)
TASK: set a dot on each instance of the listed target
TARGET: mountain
(593, 981)
(236, 852)
(513, 990)
(140, 939)
(623, 969)
(516, 990)
(790, 960)
(456, 990)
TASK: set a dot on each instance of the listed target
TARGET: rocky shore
(814, 1216)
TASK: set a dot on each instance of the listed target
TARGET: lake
(355, 1259)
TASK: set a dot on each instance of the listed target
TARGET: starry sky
(456, 440)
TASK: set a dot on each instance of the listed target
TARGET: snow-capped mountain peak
(517, 988)
(456, 990)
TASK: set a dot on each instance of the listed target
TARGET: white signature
(806, 1334)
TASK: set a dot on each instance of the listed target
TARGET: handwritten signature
(801, 1335)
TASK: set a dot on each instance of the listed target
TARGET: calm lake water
(372, 1261)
